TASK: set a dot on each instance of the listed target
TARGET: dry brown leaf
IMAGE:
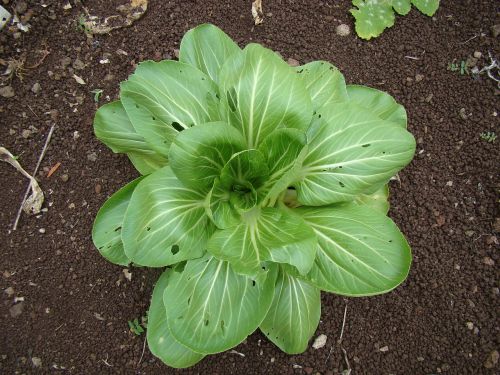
(53, 169)
(79, 79)
(129, 13)
(33, 203)
(257, 14)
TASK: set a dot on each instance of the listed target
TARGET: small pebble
(26, 133)
(343, 30)
(9, 291)
(36, 88)
(98, 188)
(488, 261)
(319, 342)
(41, 230)
(92, 156)
(478, 54)
(64, 178)
(292, 62)
(419, 77)
(37, 362)
(7, 92)
(470, 326)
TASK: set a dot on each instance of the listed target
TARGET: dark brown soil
(76, 305)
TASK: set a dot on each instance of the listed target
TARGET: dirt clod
(16, 310)
(492, 359)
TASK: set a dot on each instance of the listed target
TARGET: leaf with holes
(211, 308)
(165, 222)
(106, 232)
(352, 151)
(113, 127)
(161, 99)
(260, 93)
(324, 82)
(267, 234)
(361, 251)
(264, 184)
(294, 314)
(160, 341)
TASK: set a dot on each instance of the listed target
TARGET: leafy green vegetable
(374, 16)
(262, 186)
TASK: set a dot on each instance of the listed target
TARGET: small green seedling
(374, 16)
(82, 24)
(262, 186)
(97, 94)
(461, 67)
(137, 327)
(488, 136)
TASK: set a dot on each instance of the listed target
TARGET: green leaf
(198, 154)
(113, 127)
(351, 153)
(220, 209)
(283, 151)
(272, 234)
(377, 201)
(427, 7)
(211, 308)
(294, 314)
(260, 92)
(236, 190)
(165, 222)
(361, 252)
(160, 341)
(324, 82)
(379, 102)
(147, 163)
(163, 98)
(402, 6)
(108, 225)
(372, 17)
(207, 47)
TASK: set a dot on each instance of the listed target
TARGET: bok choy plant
(262, 185)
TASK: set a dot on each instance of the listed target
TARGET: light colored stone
(319, 342)
(343, 30)
(7, 92)
(292, 62)
(37, 362)
(36, 88)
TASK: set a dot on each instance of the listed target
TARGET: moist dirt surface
(72, 306)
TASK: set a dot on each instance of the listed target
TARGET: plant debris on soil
(65, 308)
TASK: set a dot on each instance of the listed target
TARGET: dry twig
(42, 154)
